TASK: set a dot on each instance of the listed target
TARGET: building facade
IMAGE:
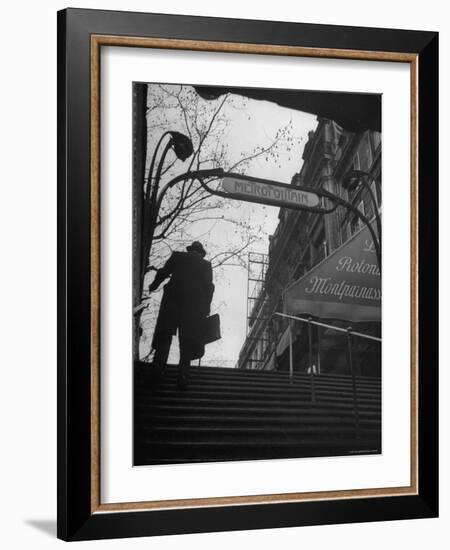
(301, 240)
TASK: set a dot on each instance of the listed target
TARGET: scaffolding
(257, 311)
(256, 277)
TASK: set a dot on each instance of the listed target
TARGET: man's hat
(197, 247)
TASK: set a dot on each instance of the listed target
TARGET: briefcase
(211, 329)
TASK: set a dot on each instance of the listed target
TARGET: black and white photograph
(256, 273)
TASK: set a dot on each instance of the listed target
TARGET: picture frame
(81, 36)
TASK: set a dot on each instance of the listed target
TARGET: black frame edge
(73, 377)
(312, 35)
(250, 517)
(428, 123)
(61, 290)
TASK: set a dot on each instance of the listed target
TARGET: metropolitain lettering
(272, 192)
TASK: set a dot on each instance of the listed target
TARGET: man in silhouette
(184, 307)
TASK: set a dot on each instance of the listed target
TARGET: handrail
(339, 329)
(349, 332)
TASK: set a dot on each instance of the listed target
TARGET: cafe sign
(345, 285)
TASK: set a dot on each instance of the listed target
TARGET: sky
(250, 124)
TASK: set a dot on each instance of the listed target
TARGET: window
(318, 247)
(376, 190)
(356, 223)
(365, 153)
(376, 140)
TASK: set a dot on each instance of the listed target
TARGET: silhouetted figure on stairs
(184, 307)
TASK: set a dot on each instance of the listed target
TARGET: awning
(345, 285)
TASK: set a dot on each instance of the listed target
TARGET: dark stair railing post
(291, 358)
(319, 348)
(352, 371)
(311, 369)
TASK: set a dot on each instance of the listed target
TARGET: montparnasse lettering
(343, 289)
(270, 192)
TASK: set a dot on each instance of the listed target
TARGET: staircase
(228, 414)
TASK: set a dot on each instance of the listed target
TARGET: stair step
(304, 394)
(198, 455)
(267, 421)
(270, 448)
(143, 458)
(197, 382)
(187, 400)
(263, 376)
(233, 435)
(214, 410)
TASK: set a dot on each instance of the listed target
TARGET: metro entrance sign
(269, 192)
(239, 187)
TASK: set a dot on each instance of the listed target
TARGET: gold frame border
(97, 41)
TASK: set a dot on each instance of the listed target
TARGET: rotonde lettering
(348, 264)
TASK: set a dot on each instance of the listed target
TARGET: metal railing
(350, 333)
